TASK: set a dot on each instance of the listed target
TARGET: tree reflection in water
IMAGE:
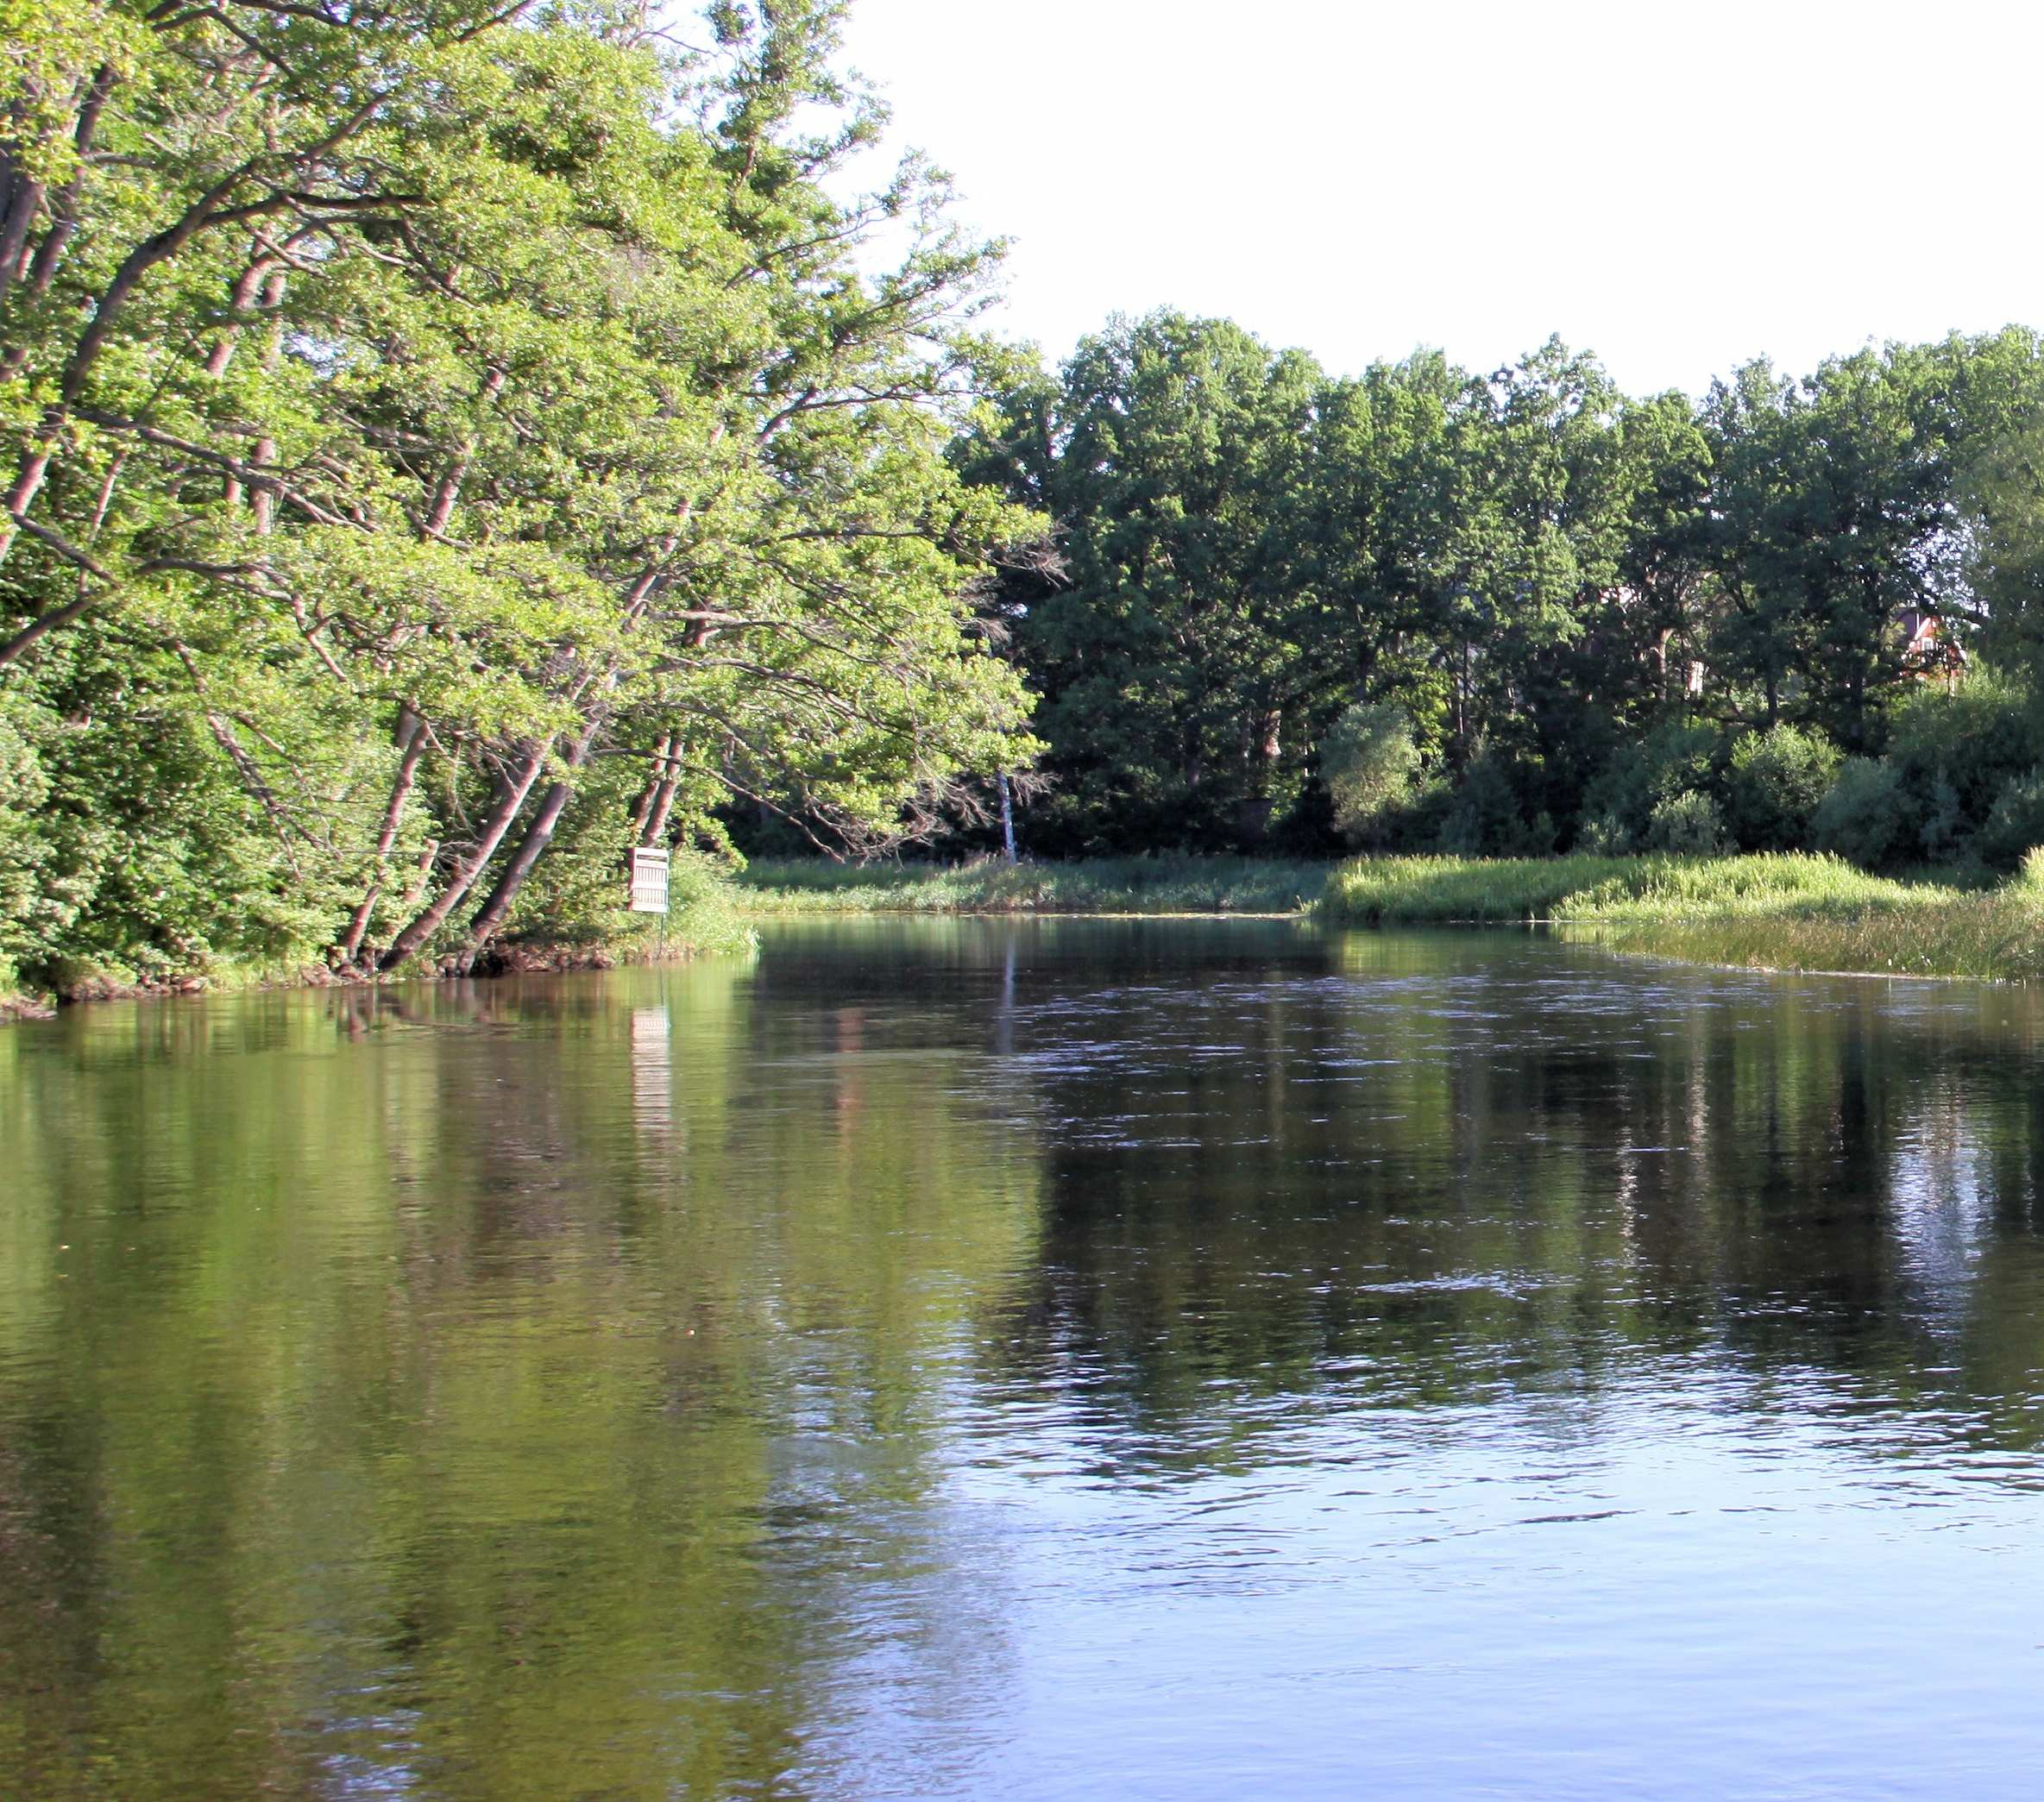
(789, 1380)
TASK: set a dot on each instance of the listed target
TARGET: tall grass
(1997, 935)
(1097, 885)
(1789, 911)
(1372, 890)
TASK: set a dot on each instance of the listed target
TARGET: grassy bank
(1790, 912)
(1415, 891)
(1097, 885)
(1997, 935)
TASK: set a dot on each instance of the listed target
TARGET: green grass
(1096, 885)
(1789, 912)
(1391, 891)
(1997, 935)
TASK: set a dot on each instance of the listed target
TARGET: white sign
(648, 881)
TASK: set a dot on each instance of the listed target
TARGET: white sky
(1676, 187)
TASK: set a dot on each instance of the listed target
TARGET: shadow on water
(954, 1357)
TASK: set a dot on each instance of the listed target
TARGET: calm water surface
(942, 1359)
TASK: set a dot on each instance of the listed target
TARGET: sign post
(650, 870)
(648, 881)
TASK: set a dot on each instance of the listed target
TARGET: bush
(1945, 820)
(1864, 817)
(1368, 763)
(2017, 823)
(1975, 740)
(1777, 779)
(1688, 824)
(1619, 805)
(1485, 819)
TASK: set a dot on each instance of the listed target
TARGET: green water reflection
(761, 1380)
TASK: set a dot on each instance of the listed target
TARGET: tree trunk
(642, 809)
(509, 805)
(539, 835)
(412, 744)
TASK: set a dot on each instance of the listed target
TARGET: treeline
(447, 444)
(1520, 613)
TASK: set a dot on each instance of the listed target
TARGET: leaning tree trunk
(509, 805)
(412, 744)
(539, 835)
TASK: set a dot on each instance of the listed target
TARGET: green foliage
(1644, 781)
(1419, 890)
(1864, 816)
(1997, 937)
(2016, 826)
(1368, 763)
(1971, 739)
(452, 446)
(987, 885)
(1687, 823)
(1484, 816)
(1774, 782)
(1546, 576)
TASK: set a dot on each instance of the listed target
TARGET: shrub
(2017, 823)
(1975, 740)
(1777, 779)
(1484, 817)
(1862, 817)
(1618, 806)
(1368, 763)
(1944, 821)
(1690, 823)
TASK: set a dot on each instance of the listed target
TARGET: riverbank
(1790, 912)
(1093, 885)
(714, 929)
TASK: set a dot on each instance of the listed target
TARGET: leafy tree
(1369, 762)
(473, 407)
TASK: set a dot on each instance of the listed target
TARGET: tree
(479, 405)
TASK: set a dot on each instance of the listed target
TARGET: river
(1174, 1359)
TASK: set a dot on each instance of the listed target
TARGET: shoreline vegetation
(1793, 912)
(708, 927)
(594, 449)
(1155, 884)
(1787, 911)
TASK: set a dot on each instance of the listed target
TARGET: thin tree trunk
(642, 809)
(656, 826)
(539, 835)
(509, 805)
(412, 742)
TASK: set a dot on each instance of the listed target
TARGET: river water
(1143, 1358)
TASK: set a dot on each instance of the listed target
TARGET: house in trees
(1929, 650)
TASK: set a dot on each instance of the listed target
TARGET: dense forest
(1518, 612)
(448, 443)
